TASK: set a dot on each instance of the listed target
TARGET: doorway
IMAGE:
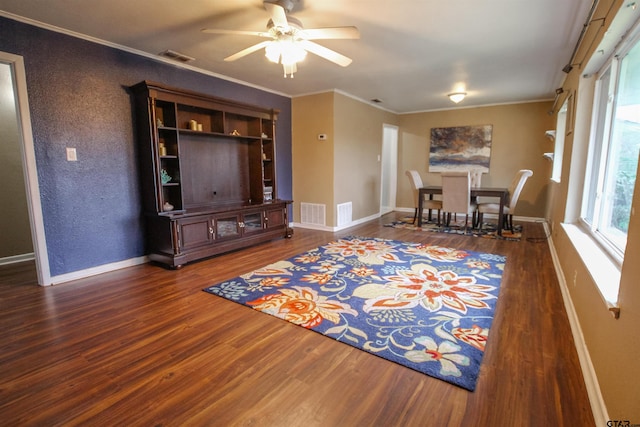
(389, 168)
(15, 91)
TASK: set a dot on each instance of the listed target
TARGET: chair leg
(415, 215)
(480, 219)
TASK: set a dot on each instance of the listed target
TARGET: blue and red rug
(428, 308)
(488, 230)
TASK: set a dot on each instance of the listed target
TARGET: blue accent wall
(78, 96)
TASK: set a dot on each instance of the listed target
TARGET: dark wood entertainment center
(208, 172)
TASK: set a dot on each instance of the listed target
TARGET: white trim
(32, 187)
(134, 51)
(604, 271)
(93, 271)
(598, 407)
(17, 258)
(329, 228)
(313, 226)
(388, 159)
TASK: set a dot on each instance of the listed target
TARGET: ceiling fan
(289, 41)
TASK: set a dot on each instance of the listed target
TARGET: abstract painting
(460, 148)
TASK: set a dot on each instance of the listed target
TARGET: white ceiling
(410, 55)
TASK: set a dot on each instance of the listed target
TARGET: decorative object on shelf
(264, 135)
(193, 125)
(264, 156)
(162, 148)
(199, 127)
(235, 132)
(167, 207)
(159, 123)
(268, 193)
(165, 177)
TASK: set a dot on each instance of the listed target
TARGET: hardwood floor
(145, 346)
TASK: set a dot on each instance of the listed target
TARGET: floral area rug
(426, 307)
(457, 227)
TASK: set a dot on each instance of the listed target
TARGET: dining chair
(514, 194)
(416, 184)
(456, 196)
(476, 178)
(475, 175)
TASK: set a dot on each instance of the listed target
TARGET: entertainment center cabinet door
(195, 232)
(275, 217)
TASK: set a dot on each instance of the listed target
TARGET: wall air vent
(176, 56)
(345, 214)
(313, 213)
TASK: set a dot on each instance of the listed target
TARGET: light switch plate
(72, 155)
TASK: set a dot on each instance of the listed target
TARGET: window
(613, 152)
(558, 149)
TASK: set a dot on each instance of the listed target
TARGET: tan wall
(15, 231)
(312, 169)
(358, 143)
(344, 167)
(613, 345)
(518, 142)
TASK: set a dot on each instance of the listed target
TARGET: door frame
(389, 146)
(32, 188)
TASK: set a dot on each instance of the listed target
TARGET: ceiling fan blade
(325, 53)
(330, 33)
(277, 13)
(235, 32)
(247, 51)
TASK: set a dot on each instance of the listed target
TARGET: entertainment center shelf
(208, 173)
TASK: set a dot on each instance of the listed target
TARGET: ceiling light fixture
(457, 96)
(287, 52)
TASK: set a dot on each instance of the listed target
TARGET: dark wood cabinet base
(175, 240)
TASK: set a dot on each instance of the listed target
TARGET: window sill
(604, 271)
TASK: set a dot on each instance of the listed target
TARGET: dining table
(499, 192)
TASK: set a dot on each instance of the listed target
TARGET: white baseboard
(17, 258)
(333, 229)
(598, 407)
(93, 271)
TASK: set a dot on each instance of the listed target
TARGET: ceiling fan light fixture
(456, 97)
(273, 52)
(292, 53)
(285, 52)
(289, 41)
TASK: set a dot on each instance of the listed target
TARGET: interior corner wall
(78, 97)
(518, 142)
(312, 164)
(357, 151)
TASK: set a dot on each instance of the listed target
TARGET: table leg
(501, 214)
(420, 197)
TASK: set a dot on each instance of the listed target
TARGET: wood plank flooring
(144, 346)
